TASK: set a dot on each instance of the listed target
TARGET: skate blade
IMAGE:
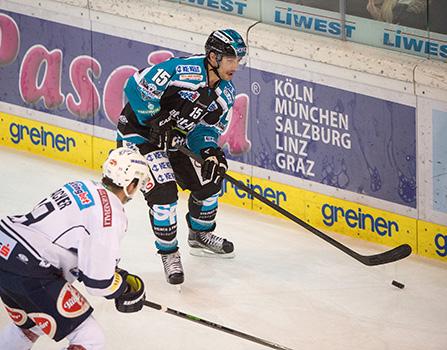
(175, 283)
(210, 254)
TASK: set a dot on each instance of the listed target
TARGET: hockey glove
(134, 295)
(214, 165)
(175, 138)
(158, 127)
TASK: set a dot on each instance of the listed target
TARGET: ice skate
(207, 244)
(172, 265)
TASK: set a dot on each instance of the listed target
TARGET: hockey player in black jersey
(185, 100)
(74, 233)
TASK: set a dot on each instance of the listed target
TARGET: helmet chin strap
(215, 69)
(128, 196)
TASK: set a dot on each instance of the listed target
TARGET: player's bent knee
(88, 335)
(208, 190)
(162, 194)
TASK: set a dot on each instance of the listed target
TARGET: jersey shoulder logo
(229, 93)
(197, 77)
(188, 69)
(189, 95)
(81, 194)
(106, 208)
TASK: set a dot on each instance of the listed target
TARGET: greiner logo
(40, 136)
(267, 192)
(358, 219)
(441, 244)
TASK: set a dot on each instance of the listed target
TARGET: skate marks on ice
(284, 284)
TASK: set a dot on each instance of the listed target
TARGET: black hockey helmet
(226, 42)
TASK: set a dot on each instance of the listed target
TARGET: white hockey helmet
(123, 165)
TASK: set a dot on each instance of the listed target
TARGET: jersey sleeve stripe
(94, 283)
(9, 231)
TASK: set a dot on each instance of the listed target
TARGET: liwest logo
(414, 43)
(267, 192)
(358, 219)
(41, 137)
(231, 6)
(302, 20)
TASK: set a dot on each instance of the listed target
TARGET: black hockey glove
(175, 138)
(158, 127)
(214, 165)
(134, 295)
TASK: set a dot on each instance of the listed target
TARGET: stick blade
(389, 256)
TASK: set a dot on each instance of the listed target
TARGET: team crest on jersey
(189, 95)
(190, 77)
(106, 208)
(81, 194)
(18, 316)
(188, 69)
(7, 244)
(46, 323)
(71, 303)
(148, 91)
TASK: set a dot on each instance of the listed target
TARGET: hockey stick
(386, 257)
(215, 326)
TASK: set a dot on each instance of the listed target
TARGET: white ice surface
(285, 285)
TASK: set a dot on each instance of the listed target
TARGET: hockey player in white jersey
(74, 233)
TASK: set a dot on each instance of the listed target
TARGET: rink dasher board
(399, 91)
(322, 211)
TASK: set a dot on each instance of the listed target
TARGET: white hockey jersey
(77, 229)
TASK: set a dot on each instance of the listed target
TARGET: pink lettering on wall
(38, 58)
(82, 71)
(9, 40)
(113, 97)
(236, 134)
(159, 56)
